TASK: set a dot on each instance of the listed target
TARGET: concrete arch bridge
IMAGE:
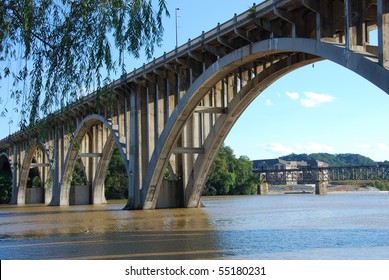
(174, 112)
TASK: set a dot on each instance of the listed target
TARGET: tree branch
(37, 36)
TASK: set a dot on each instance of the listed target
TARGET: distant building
(293, 172)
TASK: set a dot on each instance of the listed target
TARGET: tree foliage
(78, 176)
(381, 185)
(332, 160)
(64, 46)
(231, 176)
(5, 186)
(116, 180)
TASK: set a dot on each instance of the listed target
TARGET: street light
(177, 9)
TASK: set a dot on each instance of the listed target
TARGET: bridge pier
(321, 187)
(263, 189)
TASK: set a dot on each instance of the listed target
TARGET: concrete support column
(321, 187)
(134, 168)
(55, 200)
(15, 176)
(263, 189)
(383, 32)
(355, 26)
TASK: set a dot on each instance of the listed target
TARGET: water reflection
(352, 226)
(104, 232)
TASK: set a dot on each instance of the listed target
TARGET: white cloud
(277, 148)
(308, 103)
(293, 95)
(268, 102)
(383, 147)
(311, 99)
(318, 97)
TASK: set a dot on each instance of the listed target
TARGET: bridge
(173, 113)
(320, 176)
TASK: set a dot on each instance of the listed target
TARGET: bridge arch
(83, 128)
(305, 51)
(30, 155)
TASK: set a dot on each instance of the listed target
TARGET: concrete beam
(211, 110)
(214, 50)
(90, 155)
(224, 42)
(313, 5)
(33, 165)
(196, 56)
(186, 150)
(383, 32)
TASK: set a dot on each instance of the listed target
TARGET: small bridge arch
(36, 156)
(102, 150)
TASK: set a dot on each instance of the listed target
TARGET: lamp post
(177, 9)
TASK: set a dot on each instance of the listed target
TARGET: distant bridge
(174, 113)
(321, 176)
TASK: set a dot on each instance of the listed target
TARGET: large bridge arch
(30, 154)
(108, 144)
(304, 51)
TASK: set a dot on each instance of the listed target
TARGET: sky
(318, 108)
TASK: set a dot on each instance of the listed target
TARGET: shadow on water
(220, 244)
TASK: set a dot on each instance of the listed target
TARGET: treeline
(332, 159)
(230, 175)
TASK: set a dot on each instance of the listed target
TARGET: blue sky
(324, 108)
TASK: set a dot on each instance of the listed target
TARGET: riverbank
(310, 188)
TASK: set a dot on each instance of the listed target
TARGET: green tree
(5, 186)
(381, 185)
(116, 180)
(78, 176)
(246, 181)
(64, 45)
(230, 176)
(33, 180)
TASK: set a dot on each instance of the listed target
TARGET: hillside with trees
(332, 159)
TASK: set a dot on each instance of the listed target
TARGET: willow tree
(64, 46)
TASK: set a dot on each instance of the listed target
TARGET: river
(277, 227)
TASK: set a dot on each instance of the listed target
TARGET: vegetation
(381, 185)
(78, 177)
(231, 176)
(33, 180)
(116, 180)
(64, 47)
(5, 186)
(332, 160)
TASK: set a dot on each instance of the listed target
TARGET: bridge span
(173, 113)
(321, 176)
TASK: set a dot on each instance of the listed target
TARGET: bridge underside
(169, 118)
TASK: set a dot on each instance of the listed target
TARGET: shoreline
(306, 189)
